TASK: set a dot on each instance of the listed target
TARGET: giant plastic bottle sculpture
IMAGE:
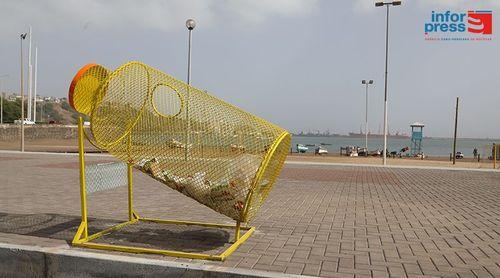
(191, 141)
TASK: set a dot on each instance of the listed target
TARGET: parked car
(459, 155)
(26, 122)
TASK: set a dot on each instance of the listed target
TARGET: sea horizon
(391, 135)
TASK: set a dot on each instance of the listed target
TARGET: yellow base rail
(81, 240)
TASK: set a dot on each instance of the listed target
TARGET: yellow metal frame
(83, 239)
(260, 173)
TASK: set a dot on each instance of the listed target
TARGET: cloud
(364, 6)
(257, 11)
(461, 4)
(367, 6)
(155, 14)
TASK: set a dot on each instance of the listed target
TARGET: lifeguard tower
(416, 138)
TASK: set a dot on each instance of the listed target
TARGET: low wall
(34, 132)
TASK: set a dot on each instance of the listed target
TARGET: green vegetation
(61, 113)
(11, 110)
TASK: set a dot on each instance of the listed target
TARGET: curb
(34, 261)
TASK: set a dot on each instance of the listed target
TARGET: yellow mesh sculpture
(193, 142)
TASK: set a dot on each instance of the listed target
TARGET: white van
(26, 122)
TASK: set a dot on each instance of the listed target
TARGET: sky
(297, 63)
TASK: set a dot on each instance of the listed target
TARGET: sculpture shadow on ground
(151, 235)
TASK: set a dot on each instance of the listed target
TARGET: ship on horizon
(396, 135)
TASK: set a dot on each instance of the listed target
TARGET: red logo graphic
(480, 22)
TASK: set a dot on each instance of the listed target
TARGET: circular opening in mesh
(166, 100)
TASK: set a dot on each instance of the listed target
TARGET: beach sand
(427, 162)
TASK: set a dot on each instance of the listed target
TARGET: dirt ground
(70, 145)
(47, 145)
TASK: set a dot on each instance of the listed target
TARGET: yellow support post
(130, 192)
(131, 214)
(83, 188)
(237, 231)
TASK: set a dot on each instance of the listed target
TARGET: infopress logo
(473, 25)
(480, 22)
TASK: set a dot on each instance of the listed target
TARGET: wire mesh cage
(105, 176)
(191, 141)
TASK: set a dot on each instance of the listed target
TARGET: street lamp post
(190, 24)
(387, 4)
(366, 83)
(23, 37)
(34, 84)
(1, 99)
(30, 75)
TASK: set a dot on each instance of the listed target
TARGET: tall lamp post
(387, 4)
(1, 98)
(366, 83)
(30, 75)
(190, 24)
(34, 84)
(23, 37)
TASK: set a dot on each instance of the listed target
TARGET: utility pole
(23, 36)
(30, 76)
(455, 136)
(34, 84)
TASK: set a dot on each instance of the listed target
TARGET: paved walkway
(319, 220)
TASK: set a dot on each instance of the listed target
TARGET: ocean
(430, 146)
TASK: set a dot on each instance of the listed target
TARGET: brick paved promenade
(319, 220)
